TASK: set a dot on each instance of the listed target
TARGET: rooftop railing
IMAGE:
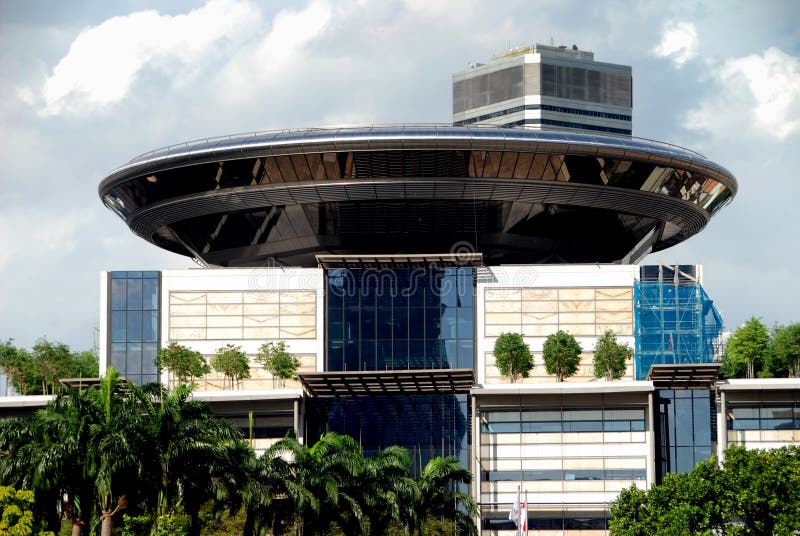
(404, 126)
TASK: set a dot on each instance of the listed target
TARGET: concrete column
(722, 427)
(475, 459)
(651, 439)
(296, 412)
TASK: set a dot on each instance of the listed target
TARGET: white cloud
(40, 234)
(282, 46)
(678, 42)
(759, 90)
(104, 61)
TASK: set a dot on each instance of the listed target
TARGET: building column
(722, 427)
(296, 421)
(475, 459)
(651, 439)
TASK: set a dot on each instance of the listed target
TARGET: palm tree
(117, 443)
(196, 456)
(66, 421)
(83, 449)
(439, 497)
(22, 445)
(331, 471)
(388, 490)
(275, 496)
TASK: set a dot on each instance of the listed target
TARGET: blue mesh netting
(674, 324)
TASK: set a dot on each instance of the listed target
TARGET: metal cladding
(515, 195)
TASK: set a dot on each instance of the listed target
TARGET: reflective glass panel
(400, 319)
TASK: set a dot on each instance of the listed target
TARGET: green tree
(51, 361)
(610, 357)
(747, 350)
(330, 470)
(439, 498)
(185, 363)
(275, 495)
(278, 361)
(17, 518)
(512, 356)
(562, 355)
(756, 492)
(38, 371)
(232, 362)
(191, 451)
(117, 448)
(389, 491)
(786, 349)
(83, 453)
(17, 365)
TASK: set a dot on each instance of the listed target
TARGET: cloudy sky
(86, 85)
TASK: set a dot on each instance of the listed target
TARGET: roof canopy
(387, 382)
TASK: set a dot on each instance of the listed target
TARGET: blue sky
(85, 86)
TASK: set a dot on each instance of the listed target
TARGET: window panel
(134, 294)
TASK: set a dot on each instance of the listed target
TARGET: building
(390, 258)
(546, 87)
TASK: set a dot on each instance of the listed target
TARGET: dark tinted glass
(400, 319)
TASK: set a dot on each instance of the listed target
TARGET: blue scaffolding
(675, 321)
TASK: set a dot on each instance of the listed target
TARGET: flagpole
(519, 527)
(527, 506)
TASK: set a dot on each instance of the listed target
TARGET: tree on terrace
(562, 355)
(786, 349)
(278, 361)
(747, 350)
(512, 356)
(610, 357)
(232, 362)
(185, 363)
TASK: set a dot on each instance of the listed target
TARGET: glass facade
(402, 319)
(685, 431)
(427, 425)
(770, 416)
(134, 324)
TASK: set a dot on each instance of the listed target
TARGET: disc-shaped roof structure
(515, 195)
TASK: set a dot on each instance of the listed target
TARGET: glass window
(583, 426)
(466, 354)
(541, 416)
(118, 326)
(133, 365)
(465, 323)
(150, 294)
(683, 421)
(134, 326)
(134, 294)
(149, 351)
(118, 356)
(502, 416)
(541, 427)
(150, 326)
(118, 294)
(583, 415)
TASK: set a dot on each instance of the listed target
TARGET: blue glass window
(427, 425)
(400, 319)
(118, 294)
(118, 326)
(133, 324)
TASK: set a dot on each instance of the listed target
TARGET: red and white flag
(519, 515)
